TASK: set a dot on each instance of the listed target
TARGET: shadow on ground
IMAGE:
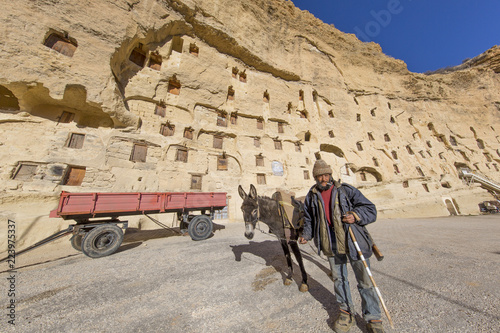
(132, 238)
(272, 253)
(136, 235)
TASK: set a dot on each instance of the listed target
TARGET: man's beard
(322, 188)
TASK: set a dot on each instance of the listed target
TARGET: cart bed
(88, 205)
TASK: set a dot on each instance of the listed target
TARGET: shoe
(344, 322)
(375, 326)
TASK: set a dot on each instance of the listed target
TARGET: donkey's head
(250, 209)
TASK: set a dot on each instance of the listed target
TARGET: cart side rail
(72, 205)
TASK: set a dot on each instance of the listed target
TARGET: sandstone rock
(221, 90)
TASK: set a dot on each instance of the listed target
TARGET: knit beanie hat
(321, 168)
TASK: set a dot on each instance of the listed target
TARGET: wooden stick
(371, 277)
(377, 252)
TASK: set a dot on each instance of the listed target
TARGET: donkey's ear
(296, 203)
(242, 193)
(253, 192)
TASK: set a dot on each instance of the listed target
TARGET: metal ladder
(478, 178)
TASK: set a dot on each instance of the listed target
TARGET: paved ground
(438, 275)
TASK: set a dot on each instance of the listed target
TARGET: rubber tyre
(102, 241)
(200, 227)
(76, 241)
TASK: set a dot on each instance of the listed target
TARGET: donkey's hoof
(304, 287)
(287, 282)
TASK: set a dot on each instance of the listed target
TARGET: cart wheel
(76, 241)
(102, 241)
(200, 227)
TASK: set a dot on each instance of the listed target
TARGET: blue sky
(426, 34)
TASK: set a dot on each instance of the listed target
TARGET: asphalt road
(438, 275)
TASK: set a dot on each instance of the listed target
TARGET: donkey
(258, 208)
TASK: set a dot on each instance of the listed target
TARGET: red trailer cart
(98, 232)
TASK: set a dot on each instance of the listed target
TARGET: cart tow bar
(44, 241)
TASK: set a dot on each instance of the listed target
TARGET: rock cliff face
(487, 60)
(190, 95)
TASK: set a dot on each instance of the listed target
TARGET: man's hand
(348, 218)
(302, 240)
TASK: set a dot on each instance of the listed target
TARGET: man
(330, 210)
